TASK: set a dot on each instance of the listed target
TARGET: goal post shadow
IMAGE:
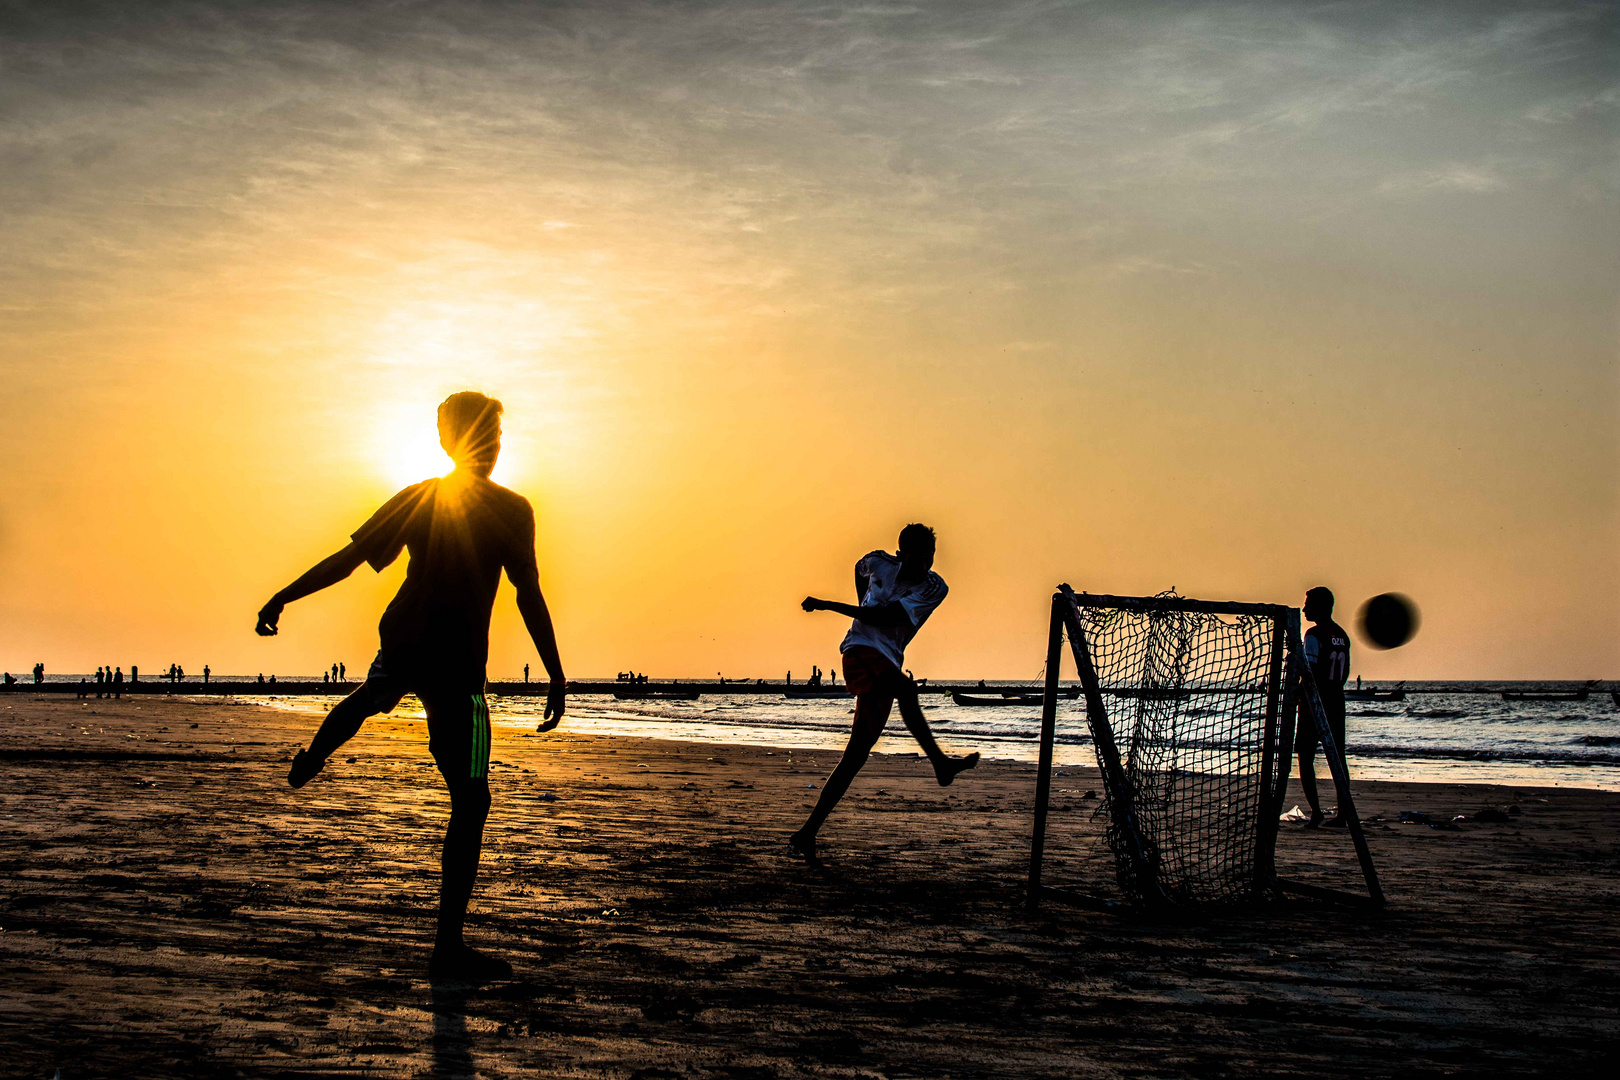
(1287, 683)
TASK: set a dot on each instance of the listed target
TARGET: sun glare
(428, 349)
(407, 446)
(407, 451)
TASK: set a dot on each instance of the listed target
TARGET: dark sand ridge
(197, 918)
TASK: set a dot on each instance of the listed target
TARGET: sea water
(1462, 733)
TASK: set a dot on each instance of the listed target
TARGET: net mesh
(1187, 694)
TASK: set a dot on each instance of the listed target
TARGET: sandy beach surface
(170, 908)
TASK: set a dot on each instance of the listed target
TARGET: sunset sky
(1238, 299)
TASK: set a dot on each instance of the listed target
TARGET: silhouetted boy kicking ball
(897, 594)
(461, 531)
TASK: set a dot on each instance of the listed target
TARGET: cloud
(1473, 179)
(866, 147)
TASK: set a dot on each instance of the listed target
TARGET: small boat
(657, 695)
(1358, 694)
(1070, 692)
(979, 701)
(1614, 696)
(1151, 693)
(1566, 695)
(816, 692)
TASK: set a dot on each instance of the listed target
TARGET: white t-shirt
(882, 572)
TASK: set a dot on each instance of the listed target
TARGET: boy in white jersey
(1327, 653)
(897, 594)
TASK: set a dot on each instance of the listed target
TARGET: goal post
(1190, 706)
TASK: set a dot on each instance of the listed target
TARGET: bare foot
(305, 766)
(804, 847)
(462, 964)
(960, 765)
(1316, 820)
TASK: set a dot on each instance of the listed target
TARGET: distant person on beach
(343, 670)
(118, 683)
(207, 671)
(1327, 653)
(99, 681)
(897, 594)
(134, 673)
(461, 531)
(525, 673)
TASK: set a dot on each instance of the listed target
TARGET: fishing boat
(1614, 696)
(1070, 692)
(1369, 694)
(1563, 695)
(815, 692)
(981, 701)
(657, 695)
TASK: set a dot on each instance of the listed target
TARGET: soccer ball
(1388, 621)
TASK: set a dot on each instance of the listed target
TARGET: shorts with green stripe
(458, 734)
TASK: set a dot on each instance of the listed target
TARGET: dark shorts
(457, 718)
(875, 683)
(1306, 738)
(867, 670)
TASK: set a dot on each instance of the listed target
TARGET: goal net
(1193, 698)
(1185, 701)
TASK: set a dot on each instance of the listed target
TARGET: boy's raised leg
(945, 768)
(340, 725)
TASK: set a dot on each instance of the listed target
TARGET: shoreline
(305, 686)
(1402, 765)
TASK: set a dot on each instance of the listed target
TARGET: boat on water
(1151, 693)
(1614, 696)
(1564, 695)
(657, 695)
(1369, 694)
(981, 701)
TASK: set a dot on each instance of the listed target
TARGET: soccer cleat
(463, 964)
(305, 766)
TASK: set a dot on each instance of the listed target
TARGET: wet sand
(171, 909)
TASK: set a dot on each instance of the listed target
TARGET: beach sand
(186, 914)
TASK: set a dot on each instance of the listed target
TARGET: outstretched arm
(537, 617)
(890, 614)
(329, 571)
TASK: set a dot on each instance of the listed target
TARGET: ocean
(1450, 733)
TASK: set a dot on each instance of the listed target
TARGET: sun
(406, 445)
(406, 450)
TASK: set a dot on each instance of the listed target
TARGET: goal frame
(1290, 687)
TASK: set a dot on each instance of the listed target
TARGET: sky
(1232, 298)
